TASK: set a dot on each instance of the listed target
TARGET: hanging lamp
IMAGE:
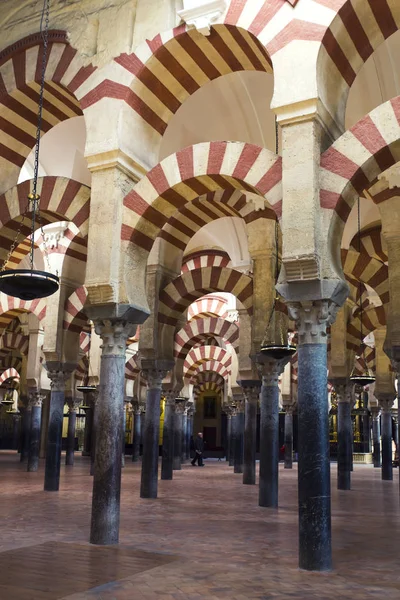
(86, 388)
(277, 347)
(29, 284)
(366, 377)
(8, 397)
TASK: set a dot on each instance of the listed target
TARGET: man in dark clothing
(198, 449)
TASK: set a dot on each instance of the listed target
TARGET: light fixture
(29, 284)
(365, 377)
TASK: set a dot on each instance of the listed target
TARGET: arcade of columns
(138, 302)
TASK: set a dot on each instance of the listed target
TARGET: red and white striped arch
(10, 373)
(163, 72)
(356, 159)
(61, 199)
(211, 305)
(206, 354)
(200, 329)
(186, 221)
(353, 163)
(359, 266)
(205, 258)
(12, 307)
(356, 31)
(20, 72)
(74, 317)
(210, 365)
(132, 368)
(190, 173)
(84, 342)
(373, 318)
(14, 341)
(180, 293)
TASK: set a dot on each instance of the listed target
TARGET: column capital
(375, 412)
(58, 379)
(270, 370)
(344, 391)
(290, 408)
(73, 405)
(312, 319)
(170, 396)
(180, 405)
(251, 390)
(385, 402)
(35, 399)
(114, 333)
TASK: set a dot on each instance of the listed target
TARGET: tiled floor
(217, 543)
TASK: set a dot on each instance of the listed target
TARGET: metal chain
(34, 196)
(16, 239)
(360, 283)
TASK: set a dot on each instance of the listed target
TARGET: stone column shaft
(269, 433)
(376, 437)
(136, 435)
(108, 423)
(26, 428)
(228, 435)
(315, 544)
(54, 435)
(177, 423)
(36, 401)
(69, 456)
(250, 433)
(184, 435)
(168, 438)
(387, 459)
(149, 477)
(239, 442)
(288, 464)
(345, 436)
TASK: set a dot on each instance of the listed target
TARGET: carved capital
(312, 319)
(58, 379)
(386, 403)
(114, 333)
(154, 378)
(290, 408)
(344, 392)
(73, 405)
(170, 396)
(270, 370)
(375, 412)
(251, 393)
(35, 399)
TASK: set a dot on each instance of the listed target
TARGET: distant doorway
(210, 437)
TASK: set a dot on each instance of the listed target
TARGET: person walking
(198, 449)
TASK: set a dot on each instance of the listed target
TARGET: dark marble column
(35, 402)
(54, 434)
(239, 437)
(228, 432)
(344, 435)
(168, 436)
(151, 434)
(189, 431)
(177, 421)
(104, 528)
(288, 464)
(73, 406)
(94, 397)
(126, 405)
(233, 435)
(251, 392)
(269, 431)
(87, 437)
(184, 435)
(16, 430)
(26, 428)
(137, 414)
(376, 436)
(386, 427)
(315, 542)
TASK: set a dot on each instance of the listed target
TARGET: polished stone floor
(204, 538)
